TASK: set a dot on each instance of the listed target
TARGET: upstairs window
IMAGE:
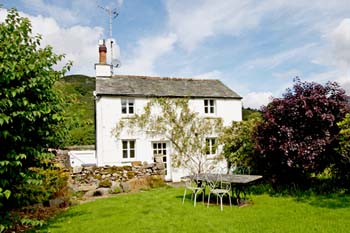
(210, 146)
(128, 106)
(209, 106)
(128, 149)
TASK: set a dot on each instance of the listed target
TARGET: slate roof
(145, 86)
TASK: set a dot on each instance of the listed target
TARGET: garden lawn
(160, 210)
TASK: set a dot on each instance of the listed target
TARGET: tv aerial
(112, 13)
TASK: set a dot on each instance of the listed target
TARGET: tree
(343, 166)
(238, 143)
(173, 120)
(30, 110)
(299, 132)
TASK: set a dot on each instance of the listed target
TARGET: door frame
(168, 169)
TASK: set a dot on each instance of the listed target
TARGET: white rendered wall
(109, 148)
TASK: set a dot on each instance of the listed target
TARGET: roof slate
(145, 86)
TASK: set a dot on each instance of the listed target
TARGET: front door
(162, 149)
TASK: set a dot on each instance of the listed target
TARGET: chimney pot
(102, 50)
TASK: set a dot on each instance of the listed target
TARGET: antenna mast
(112, 13)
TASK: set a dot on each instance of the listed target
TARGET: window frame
(128, 104)
(128, 149)
(209, 106)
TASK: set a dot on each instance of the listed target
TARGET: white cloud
(64, 15)
(340, 42)
(256, 99)
(194, 21)
(144, 56)
(270, 62)
(79, 43)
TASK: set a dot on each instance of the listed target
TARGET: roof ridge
(163, 78)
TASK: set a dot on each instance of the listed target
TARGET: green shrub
(50, 183)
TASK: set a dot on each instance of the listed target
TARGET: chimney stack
(103, 70)
(102, 50)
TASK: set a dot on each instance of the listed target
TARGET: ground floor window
(128, 149)
(210, 146)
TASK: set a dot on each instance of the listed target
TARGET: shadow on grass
(334, 199)
(331, 201)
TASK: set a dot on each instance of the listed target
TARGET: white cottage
(121, 96)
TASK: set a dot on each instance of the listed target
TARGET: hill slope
(77, 91)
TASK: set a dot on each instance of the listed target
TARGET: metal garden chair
(218, 188)
(195, 187)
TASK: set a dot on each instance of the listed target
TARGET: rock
(125, 187)
(148, 166)
(86, 188)
(59, 202)
(160, 166)
(158, 159)
(77, 170)
(103, 191)
(136, 163)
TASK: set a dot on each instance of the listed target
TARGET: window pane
(125, 154)
(132, 145)
(125, 145)
(212, 109)
(211, 102)
(205, 102)
(124, 110)
(131, 109)
(132, 153)
(206, 109)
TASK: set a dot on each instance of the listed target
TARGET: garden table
(239, 183)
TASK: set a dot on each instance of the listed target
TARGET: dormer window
(209, 106)
(128, 106)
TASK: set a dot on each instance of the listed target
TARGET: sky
(254, 47)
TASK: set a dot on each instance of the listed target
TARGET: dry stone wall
(99, 181)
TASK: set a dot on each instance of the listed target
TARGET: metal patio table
(239, 183)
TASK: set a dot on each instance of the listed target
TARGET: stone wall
(98, 181)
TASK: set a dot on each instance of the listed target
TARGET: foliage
(342, 167)
(50, 183)
(237, 140)
(299, 132)
(76, 90)
(30, 110)
(172, 120)
(344, 137)
(248, 113)
(160, 210)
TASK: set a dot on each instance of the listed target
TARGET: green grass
(160, 210)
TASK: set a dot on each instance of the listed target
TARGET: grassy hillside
(79, 108)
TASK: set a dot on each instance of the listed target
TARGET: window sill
(211, 117)
(128, 116)
(128, 160)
